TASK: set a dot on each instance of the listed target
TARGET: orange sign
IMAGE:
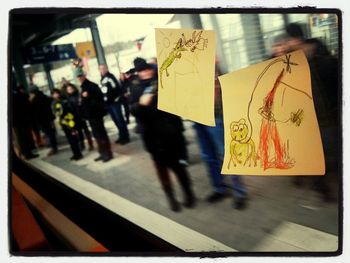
(85, 49)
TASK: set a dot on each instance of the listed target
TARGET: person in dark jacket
(324, 81)
(68, 121)
(161, 134)
(64, 84)
(93, 106)
(43, 116)
(125, 79)
(112, 96)
(74, 100)
(22, 122)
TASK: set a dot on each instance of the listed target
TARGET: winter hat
(141, 64)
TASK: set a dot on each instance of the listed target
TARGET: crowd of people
(80, 109)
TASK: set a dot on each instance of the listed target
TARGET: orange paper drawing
(186, 64)
(270, 121)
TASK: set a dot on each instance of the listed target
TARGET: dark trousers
(73, 140)
(37, 136)
(100, 134)
(181, 174)
(321, 184)
(115, 110)
(83, 132)
(183, 152)
(25, 140)
(126, 107)
(50, 132)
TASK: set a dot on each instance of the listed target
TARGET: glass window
(206, 21)
(271, 22)
(128, 184)
(325, 27)
(230, 26)
(231, 32)
(271, 26)
(293, 18)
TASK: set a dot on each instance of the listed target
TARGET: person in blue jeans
(211, 143)
(112, 96)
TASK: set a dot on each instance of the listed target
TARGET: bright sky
(118, 27)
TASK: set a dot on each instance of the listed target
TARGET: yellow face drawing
(239, 130)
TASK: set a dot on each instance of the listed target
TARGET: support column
(47, 68)
(219, 45)
(253, 37)
(196, 21)
(17, 63)
(285, 19)
(97, 43)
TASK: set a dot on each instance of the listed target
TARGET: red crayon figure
(269, 134)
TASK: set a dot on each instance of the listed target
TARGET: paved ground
(276, 207)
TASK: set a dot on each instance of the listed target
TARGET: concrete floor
(276, 207)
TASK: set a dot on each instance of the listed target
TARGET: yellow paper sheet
(270, 121)
(186, 61)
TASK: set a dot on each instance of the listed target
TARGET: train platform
(280, 216)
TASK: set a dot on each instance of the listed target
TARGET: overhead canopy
(33, 28)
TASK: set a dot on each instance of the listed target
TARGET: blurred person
(38, 140)
(153, 61)
(324, 83)
(35, 128)
(68, 122)
(124, 99)
(323, 69)
(77, 63)
(295, 35)
(133, 82)
(74, 99)
(43, 116)
(183, 153)
(279, 46)
(22, 122)
(112, 96)
(295, 40)
(182, 140)
(211, 142)
(64, 84)
(37, 136)
(161, 133)
(93, 105)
